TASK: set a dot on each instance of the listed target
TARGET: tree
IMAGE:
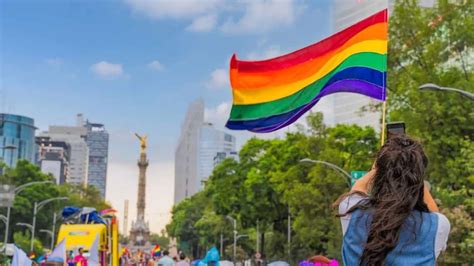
(22, 210)
(461, 238)
(435, 45)
(160, 239)
(23, 241)
(182, 226)
(269, 182)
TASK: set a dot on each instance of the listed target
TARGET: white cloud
(177, 9)
(270, 52)
(156, 65)
(219, 79)
(218, 115)
(262, 16)
(107, 70)
(55, 62)
(204, 23)
(245, 16)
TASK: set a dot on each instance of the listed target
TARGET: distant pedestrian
(166, 260)
(80, 260)
(151, 261)
(182, 260)
(70, 258)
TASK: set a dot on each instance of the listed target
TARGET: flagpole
(384, 110)
(384, 105)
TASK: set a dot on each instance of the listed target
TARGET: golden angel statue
(143, 140)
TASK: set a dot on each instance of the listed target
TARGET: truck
(83, 235)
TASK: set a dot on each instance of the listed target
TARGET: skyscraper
(186, 155)
(53, 158)
(17, 138)
(79, 153)
(347, 106)
(88, 154)
(211, 143)
(97, 140)
(198, 145)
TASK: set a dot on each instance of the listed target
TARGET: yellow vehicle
(83, 236)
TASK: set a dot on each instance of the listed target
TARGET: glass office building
(17, 138)
(98, 142)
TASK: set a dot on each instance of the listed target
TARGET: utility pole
(258, 239)
(53, 231)
(289, 234)
(125, 218)
(222, 244)
(234, 222)
(37, 207)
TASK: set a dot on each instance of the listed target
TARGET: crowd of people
(144, 259)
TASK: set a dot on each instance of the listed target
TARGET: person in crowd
(182, 260)
(320, 260)
(150, 261)
(70, 258)
(389, 217)
(165, 260)
(80, 260)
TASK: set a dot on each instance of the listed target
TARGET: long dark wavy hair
(394, 192)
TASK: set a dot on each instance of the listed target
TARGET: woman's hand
(362, 184)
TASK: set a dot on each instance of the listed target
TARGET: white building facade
(347, 107)
(211, 143)
(79, 152)
(198, 146)
(186, 155)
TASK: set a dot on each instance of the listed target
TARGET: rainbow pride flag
(156, 252)
(271, 94)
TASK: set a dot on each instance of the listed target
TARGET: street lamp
(234, 222)
(51, 234)
(341, 171)
(15, 192)
(3, 218)
(431, 86)
(38, 207)
(56, 217)
(29, 226)
(240, 236)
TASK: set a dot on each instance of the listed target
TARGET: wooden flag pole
(384, 110)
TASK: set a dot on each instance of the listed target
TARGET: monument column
(140, 232)
(142, 165)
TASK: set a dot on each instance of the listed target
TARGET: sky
(135, 66)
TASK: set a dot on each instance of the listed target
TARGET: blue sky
(135, 65)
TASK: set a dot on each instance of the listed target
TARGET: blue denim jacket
(415, 245)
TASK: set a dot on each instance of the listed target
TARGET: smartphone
(395, 128)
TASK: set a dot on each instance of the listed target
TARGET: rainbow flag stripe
(271, 94)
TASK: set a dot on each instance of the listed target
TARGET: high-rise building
(186, 155)
(198, 145)
(53, 158)
(211, 142)
(347, 107)
(17, 138)
(97, 140)
(221, 156)
(79, 153)
(88, 154)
